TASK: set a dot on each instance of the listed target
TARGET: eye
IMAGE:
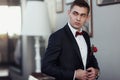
(75, 13)
(83, 15)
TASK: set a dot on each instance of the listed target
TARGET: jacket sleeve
(50, 61)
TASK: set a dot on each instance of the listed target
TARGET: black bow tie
(78, 33)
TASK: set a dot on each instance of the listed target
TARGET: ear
(88, 18)
(68, 12)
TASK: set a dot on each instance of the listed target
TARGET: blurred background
(22, 27)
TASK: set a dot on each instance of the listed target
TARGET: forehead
(80, 9)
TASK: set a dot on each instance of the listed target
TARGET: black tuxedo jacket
(62, 56)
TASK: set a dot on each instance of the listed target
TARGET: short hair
(80, 3)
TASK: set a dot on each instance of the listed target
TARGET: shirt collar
(73, 29)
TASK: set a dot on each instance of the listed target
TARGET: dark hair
(80, 3)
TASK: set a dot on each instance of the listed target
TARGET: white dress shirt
(81, 44)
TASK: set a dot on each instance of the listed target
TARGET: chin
(77, 27)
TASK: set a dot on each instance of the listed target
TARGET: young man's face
(78, 16)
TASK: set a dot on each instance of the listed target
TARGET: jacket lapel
(73, 41)
(87, 39)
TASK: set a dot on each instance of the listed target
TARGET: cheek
(72, 18)
(84, 20)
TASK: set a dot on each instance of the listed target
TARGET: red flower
(94, 49)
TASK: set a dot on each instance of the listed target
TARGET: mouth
(78, 24)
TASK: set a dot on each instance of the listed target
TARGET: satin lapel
(73, 41)
(86, 37)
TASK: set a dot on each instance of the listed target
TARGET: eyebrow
(82, 14)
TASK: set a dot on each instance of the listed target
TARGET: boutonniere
(93, 49)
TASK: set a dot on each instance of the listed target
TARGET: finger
(89, 69)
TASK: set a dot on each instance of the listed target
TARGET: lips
(76, 23)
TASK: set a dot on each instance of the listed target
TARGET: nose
(78, 18)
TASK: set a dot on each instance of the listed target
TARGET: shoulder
(59, 33)
(56, 37)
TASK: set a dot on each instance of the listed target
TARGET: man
(68, 55)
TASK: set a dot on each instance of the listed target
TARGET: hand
(81, 74)
(92, 73)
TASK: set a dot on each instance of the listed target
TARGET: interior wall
(106, 22)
